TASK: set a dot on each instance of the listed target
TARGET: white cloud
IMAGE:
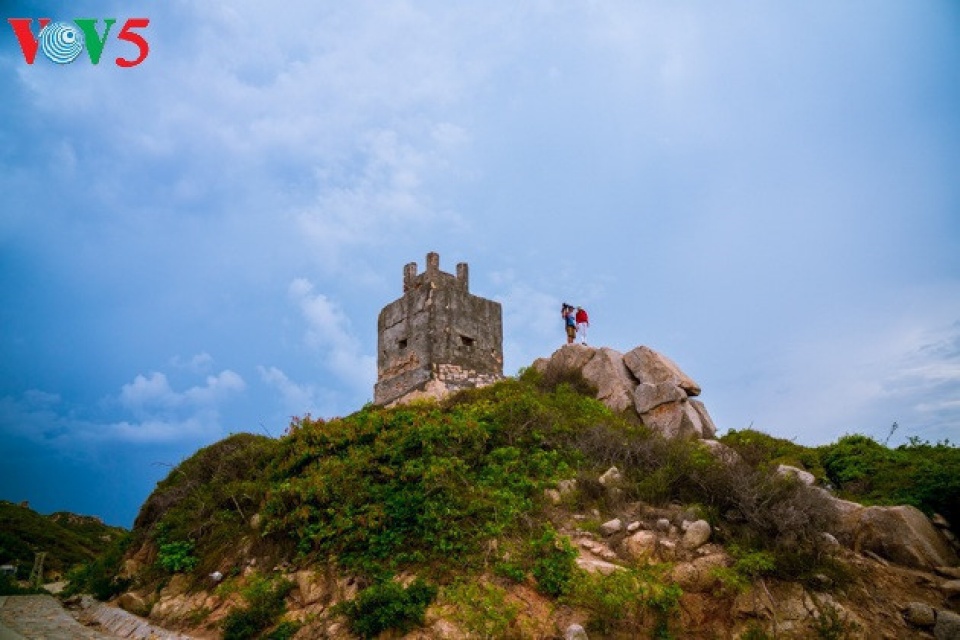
(199, 363)
(201, 426)
(148, 391)
(160, 413)
(328, 331)
(297, 399)
(153, 392)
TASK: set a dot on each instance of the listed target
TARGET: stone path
(41, 618)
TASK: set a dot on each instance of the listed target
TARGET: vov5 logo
(63, 42)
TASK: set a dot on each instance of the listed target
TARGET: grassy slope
(68, 539)
(445, 490)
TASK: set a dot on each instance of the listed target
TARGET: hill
(525, 509)
(70, 540)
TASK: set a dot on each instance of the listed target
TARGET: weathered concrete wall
(437, 332)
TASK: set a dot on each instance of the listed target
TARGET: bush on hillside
(69, 540)
(388, 605)
(100, 577)
(264, 599)
(384, 489)
(760, 449)
(198, 512)
(918, 473)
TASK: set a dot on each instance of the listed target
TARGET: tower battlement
(437, 337)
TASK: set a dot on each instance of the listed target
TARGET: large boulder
(644, 381)
(648, 396)
(649, 366)
(607, 372)
(901, 534)
(680, 420)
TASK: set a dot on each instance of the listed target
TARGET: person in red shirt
(583, 322)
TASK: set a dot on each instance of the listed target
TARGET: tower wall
(438, 337)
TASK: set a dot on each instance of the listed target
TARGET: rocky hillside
(587, 498)
(69, 539)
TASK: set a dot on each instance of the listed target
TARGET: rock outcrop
(642, 381)
(901, 534)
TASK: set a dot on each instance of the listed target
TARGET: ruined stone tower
(437, 337)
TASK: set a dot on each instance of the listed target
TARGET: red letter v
(28, 43)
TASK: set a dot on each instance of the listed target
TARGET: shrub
(830, 624)
(177, 557)
(918, 473)
(388, 605)
(747, 567)
(481, 609)
(265, 603)
(554, 566)
(10, 587)
(621, 601)
(100, 577)
(755, 632)
(510, 570)
(759, 449)
(554, 377)
(284, 631)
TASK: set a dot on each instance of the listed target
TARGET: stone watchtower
(438, 337)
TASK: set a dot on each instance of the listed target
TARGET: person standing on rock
(583, 323)
(569, 322)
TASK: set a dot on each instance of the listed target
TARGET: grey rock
(939, 521)
(707, 428)
(607, 372)
(794, 472)
(649, 366)
(721, 452)
(649, 396)
(948, 625)
(611, 527)
(904, 535)
(575, 632)
(641, 546)
(696, 534)
(610, 477)
(951, 588)
(919, 614)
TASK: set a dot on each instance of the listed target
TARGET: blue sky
(767, 193)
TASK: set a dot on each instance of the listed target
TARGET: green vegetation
(830, 623)
(264, 598)
(387, 489)
(69, 540)
(454, 490)
(10, 587)
(481, 609)
(859, 468)
(196, 515)
(623, 600)
(388, 605)
(747, 567)
(554, 566)
(100, 577)
(924, 475)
